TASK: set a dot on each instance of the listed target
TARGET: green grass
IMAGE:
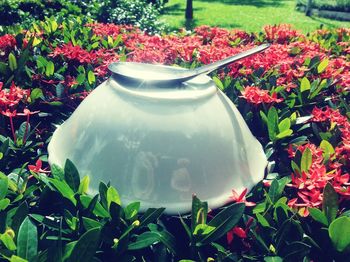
(248, 15)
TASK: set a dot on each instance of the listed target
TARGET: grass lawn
(248, 15)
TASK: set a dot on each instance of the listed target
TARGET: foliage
(294, 97)
(333, 5)
(132, 12)
(250, 15)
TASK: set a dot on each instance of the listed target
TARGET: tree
(308, 8)
(189, 9)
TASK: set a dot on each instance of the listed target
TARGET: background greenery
(248, 15)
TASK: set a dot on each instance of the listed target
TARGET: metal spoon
(160, 73)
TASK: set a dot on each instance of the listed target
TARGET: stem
(25, 132)
(13, 130)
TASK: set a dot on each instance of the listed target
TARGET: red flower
(7, 42)
(37, 168)
(241, 198)
(255, 95)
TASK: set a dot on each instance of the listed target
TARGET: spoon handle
(216, 65)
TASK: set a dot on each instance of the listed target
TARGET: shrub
(134, 12)
(295, 98)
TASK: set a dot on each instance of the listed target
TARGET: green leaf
(91, 77)
(199, 212)
(306, 160)
(50, 68)
(84, 185)
(80, 78)
(330, 202)
(98, 210)
(328, 149)
(86, 247)
(4, 203)
(224, 221)
(322, 66)
(274, 192)
(165, 237)
(112, 196)
(272, 124)
(64, 189)
(285, 133)
(27, 240)
(71, 175)
(284, 125)
(17, 259)
(203, 229)
(12, 62)
(262, 220)
(144, 240)
(318, 215)
(7, 240)
(90, 223)
(151, 215)
(305, 85)
(35, 94)
(273, 259)
(131, 210)
(57, 172)
(3, 187)
(19, 216)
(218, 83)
(339, 233)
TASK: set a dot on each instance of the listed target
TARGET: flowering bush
(294, 97)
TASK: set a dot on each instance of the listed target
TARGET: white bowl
(159, 144)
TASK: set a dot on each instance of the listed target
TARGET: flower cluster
(255, 95)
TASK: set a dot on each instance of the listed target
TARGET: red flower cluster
(7, 42)
(311, 183)
(280, 33)
(73, 53)
(9, 98)
(255, 95)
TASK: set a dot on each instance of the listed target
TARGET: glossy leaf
(91, 77)
(199, 212)
(7, 240)
(305, 85)
(328, 149)
(3, 186)
(144, 240)
(223, 222)
(12, 62)
(272, 123)
(131, 210)
(318, 215)
(330, 202)
(112, 196)
(306, 160)
(64, 189)
(90, 223)
(86, 247)
(273, 259)
(71, 175)
(98, 210)
(27, 240)
(165, 237)
(322, 66)
(339, 233)
(151, 215)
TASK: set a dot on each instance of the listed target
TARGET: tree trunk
(189, 9)
(308, 8)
